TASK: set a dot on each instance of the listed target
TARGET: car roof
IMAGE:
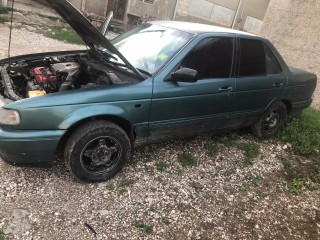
(198, 28)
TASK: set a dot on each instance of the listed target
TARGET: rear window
(252, 58)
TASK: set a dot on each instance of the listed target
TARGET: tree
(3, 3)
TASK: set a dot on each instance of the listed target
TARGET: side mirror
(184, 75)
(105, 25)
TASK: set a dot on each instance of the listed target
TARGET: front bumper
(29, 148)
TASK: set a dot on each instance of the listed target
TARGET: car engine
(32, 78)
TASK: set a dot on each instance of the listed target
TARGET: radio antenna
(11, 25)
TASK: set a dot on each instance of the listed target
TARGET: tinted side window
(212, 58)
(273, 67)
(252, 58)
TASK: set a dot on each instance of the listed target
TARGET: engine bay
(32, 78)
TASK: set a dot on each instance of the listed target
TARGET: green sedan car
(158, 81)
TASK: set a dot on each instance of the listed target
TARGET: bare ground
(219, 198)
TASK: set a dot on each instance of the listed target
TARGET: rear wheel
(97, 151)
(271, 121)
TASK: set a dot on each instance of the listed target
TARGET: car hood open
(90, 35)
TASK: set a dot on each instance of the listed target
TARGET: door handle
(225, 89)
(277, 85)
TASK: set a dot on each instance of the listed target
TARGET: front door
(184, 109)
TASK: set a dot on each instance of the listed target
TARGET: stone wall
(293, 27)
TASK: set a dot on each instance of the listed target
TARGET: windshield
(148, 47)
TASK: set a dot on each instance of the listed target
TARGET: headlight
(9, 117)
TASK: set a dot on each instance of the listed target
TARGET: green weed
(251, 152)
(162, 166)
(141, 225)
(212, 148)
(187, 160)
(295, 186)
(303, 133)
(126, 183)
(287, 164)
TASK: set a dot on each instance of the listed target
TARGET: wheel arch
(121, 122)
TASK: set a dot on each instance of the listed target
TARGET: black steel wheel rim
(100, 155)
(272, 121)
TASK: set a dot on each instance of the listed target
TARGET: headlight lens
(9, 117)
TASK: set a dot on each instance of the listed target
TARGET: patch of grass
(153, 189)
(1, 235)
(162, 166)
(287, 164)
(141, 225)
(126, 183)
(187, 160)
(303, 133)
(230, 172)
(251, 152)
(230, 140)
(212, 148)
(66, 34)
(159, 179)
(166, 220)
(2, 20)
(122, 191)
(110, 187)
(295, 186)
(181, 207)
(4, 10)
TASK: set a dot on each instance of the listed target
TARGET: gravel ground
(155, 197)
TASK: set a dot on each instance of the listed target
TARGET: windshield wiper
(123, 65)
(144, 71)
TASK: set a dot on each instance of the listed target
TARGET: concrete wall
(224, 13)
(293, 27)
(160, 9)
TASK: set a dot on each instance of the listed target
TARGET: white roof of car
(199, 28)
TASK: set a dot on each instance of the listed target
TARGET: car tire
(271, 121)
(97, 151)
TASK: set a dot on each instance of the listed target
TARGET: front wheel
(271, 121)
(97, 151)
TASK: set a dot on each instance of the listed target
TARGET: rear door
(259, 81)
(182, 109)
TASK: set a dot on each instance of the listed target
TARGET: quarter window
(212, 58)
(252, 58)
(273, 67)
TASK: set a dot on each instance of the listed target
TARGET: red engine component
(43, 74)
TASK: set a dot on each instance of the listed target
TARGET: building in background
(244, 15)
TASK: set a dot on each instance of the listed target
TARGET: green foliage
(187, 160)
(166, 220)
(287, 164)
(212, 148)
(159, 179)
(295, 186)
(161, 166)
(110, 187)
(251, 152)
(126, 183)
(230, 140)
(141, 225)
(4, 10)
(66, 34)
(230, 172)
(1, 235)
(121, 191)
(303, 133)
(2, 20)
